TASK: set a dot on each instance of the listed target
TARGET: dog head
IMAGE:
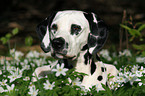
(66, 33)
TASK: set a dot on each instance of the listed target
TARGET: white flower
(26, 67)
(26, 78)
(3, 83)
(16, 54)
(69, 80)
(142, 70)
(10, 88)
(105, 54)
(135, 68)
(2, 90)
(60, 70)
(131, 78)
(9, 68)
(115, 63)
(12, 77)
(31, 85)
(33, 54)
(140, 59)
(114, 85)
(15, 75)
(2, 61)
(32, 64)
(12, 51)
(138, 74)
(84, 90)
(125, 52)
(98, 88)
(120, 79)
(76, 82)
(32, 90)
(52, 63)
(45, 54)
(49, 86)
(40, 62)
(140, 83)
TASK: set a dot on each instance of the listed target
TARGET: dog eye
(54, 27)
(75, 29)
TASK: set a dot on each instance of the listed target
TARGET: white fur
(46, 40)
(64, 20)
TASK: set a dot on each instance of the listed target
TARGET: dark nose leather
(58, 43)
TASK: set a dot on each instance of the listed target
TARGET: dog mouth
(62, 55)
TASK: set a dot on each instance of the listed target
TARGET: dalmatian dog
(74, 38)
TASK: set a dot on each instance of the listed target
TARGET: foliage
(136, 32)
(28, 41)
(16, 77)
(8, 36)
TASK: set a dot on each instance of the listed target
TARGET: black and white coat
(74, 38)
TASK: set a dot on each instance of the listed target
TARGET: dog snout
(58, 43)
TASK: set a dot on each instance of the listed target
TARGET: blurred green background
(26, 14)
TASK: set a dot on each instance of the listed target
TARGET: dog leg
(111, 69)
(41, 72)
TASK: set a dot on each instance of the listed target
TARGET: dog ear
(98, 33)
(42, 30)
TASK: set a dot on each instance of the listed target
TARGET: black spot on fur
(45, 49)
(41, 28)
(98, 34)
(98, 58)
(87, 57)
(93, 67)
(92, 40)
(100, 78)
(103, 69)
(85, 47)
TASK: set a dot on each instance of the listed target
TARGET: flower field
(16, 76)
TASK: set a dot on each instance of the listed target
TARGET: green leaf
(134, 32)
(141, 39)
(15, 31)
(141, 27)
(28, 41)
(125, 27)
(8, 36)
(108, 91)
(139, 47)
(4, 40)
(138, 24)
(143, 53)
(54, 94)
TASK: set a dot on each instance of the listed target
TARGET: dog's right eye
(54, 27)
(75, 29)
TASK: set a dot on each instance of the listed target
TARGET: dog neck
(84, 63)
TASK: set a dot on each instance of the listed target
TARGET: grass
(16, 76)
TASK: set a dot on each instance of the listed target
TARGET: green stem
(9, 46)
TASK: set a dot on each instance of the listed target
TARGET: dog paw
(41, 72)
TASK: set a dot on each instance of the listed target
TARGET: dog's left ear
(98, 33)
(42, 30)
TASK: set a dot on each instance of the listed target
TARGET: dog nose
(58, 43)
